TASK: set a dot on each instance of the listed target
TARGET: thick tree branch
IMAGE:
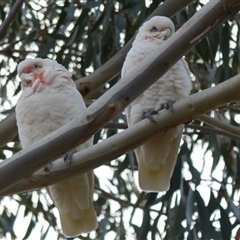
(9, 19)
(8, 129)
(87, 85)
(125, 141)
(120, 95)
(106, 72)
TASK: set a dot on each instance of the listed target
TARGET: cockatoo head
(37, 73)
(157, 27)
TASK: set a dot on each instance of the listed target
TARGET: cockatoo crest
(158, 27)
(35, 73)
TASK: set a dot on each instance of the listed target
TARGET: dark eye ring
(36, 66)
(154, 29)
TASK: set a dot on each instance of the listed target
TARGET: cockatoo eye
(154, 29)
(36, 66)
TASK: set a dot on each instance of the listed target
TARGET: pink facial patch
(28, 69)
(29, 83)
(162, 29)
(39, 78)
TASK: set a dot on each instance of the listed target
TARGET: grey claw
(168, 106)
(47, 168)
(149, 115)
(68, 158)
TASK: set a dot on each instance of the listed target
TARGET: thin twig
(219, 124)
(207, 129)
(11, 16)
(111, 196)
(122, 202)
(231, 107)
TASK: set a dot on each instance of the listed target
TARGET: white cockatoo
(157, 156)
(49, 100)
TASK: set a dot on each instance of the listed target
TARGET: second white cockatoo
(157, 156)
(49, 100)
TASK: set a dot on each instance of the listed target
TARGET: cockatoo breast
(49, 108)
(173, 85)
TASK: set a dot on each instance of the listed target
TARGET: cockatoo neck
(147, 40)
(157, 37)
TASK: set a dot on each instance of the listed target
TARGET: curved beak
(167, 32)
(26, 79)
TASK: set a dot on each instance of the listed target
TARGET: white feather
(42, 109)
(157, 156)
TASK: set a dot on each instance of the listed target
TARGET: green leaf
(177, 228)
(235, 209)
(208, 230)
(190, 206)
(91, 4)
(226, 226)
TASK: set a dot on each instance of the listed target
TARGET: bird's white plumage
(157, 156)
(48, 101)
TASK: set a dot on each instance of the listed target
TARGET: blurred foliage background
(203, 201)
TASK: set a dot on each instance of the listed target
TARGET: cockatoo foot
(150, 114)
(168, 105)
(47, 168)
(69, 157)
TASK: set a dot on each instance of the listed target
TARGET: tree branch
(219, 124)
(9, 19)
(116, 125)
(8, 129)
(214, 131)
(125, 141)
(107, 195)
(89, 84)
(120, 95)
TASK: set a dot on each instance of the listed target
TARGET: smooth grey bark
(105, 73)
(127, 140)
(120, 95)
